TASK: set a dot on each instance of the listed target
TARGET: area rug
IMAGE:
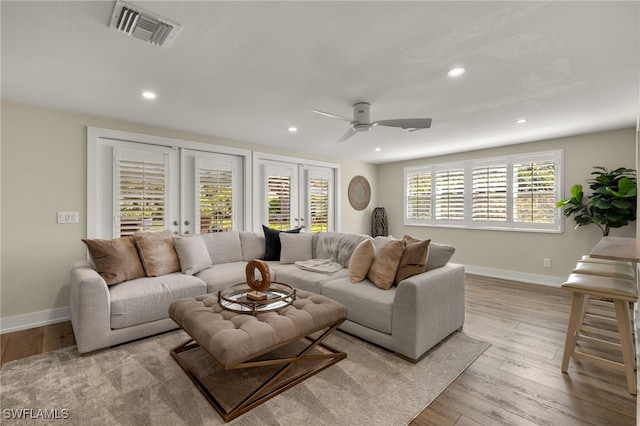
(140, 384)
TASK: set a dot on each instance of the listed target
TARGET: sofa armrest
(90, 306)
(427, 308)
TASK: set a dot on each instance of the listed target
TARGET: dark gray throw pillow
(272, 242)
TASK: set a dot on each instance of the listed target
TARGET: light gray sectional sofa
(408, 319)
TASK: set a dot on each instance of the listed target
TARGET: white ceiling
(249, 70)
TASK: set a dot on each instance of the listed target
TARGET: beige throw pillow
(414, 258)
(192, 253)
(361, 260)
(223, 247)
(116, 260)
(385, 264)
(157, 252)
(295, 247)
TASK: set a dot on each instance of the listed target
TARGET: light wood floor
(517, 381)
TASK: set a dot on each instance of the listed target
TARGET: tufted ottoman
(257, 356)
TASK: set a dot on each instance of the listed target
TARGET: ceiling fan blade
(347, 135)
(409, 124)
(328, 114)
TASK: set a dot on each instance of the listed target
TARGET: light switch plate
(67, 217)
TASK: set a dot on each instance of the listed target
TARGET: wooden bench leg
(626, 340)
(578, 308)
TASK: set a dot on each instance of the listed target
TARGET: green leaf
(625, 185)
(582, 220)
(576, 192)
(601, 203)
(621, 204)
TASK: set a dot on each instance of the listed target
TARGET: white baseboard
(547, 280)
(34, 319)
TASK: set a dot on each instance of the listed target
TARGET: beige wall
(522, 252)
(43, 160)
(43, 163)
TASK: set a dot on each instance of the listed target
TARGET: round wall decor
(359, 192)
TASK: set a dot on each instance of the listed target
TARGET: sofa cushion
(272, 242)
(295, 247)
(252, 244)
(223, 247)
(306, 280)
(147, 299)
(223, 275)
(115, 260)
(414, 258)
(157, 253)
(439, 255)
(385, 264)
(367, 304)
(361, 260)
(192, 253)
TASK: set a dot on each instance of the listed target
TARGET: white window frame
(557, 156)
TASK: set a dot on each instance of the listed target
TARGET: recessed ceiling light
(293, 129)
(148, 95)
(378, 149)
(456, 72)
(521, 121)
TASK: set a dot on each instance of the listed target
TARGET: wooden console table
(617, 248)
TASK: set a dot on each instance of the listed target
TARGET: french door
(134, 186)
(294, 195)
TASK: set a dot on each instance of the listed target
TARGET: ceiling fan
(361, 122)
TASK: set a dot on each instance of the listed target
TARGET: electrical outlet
(67, 217)
(546, 262)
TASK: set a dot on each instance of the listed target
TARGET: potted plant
(612, 204)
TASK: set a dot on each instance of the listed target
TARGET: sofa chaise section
(103, 316)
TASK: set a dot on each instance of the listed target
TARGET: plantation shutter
(215, 195)
(141, 195)
(534, 192)
(418, 195)
(450, 194)
(489, 193)
(318, 215)
(279, 200)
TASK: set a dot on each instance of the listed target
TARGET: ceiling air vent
(143, 25)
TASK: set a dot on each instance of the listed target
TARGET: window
(294, 193)
(279, 201)
(141, 195)
(510, 193)
(418, 189)
(215, 200)
(319, 187)
(489, 193)
(534, 192)
(449, 200)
